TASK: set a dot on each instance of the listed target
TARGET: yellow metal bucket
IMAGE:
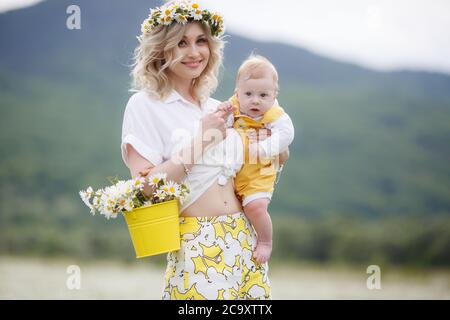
(154, 229)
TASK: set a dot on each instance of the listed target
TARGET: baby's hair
(255, 67)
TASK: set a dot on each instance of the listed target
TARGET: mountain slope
(369, 144)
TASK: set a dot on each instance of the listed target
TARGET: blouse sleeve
(282, 136)
(139, 131)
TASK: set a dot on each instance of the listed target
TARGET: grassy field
(33, 278)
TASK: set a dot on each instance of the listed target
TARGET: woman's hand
(226, 107)
(258, 135)
(213, 125)
(284, 156)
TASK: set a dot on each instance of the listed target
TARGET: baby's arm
(282, 135)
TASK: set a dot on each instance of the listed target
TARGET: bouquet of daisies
(124, 196)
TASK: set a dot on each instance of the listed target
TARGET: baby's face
(256, 96)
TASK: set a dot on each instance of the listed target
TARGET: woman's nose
(193, 50)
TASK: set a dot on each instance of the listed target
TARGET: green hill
(369, 145)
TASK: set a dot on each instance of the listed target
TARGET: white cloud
(6, 5)
(381, 34)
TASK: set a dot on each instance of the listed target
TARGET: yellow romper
(256, 177)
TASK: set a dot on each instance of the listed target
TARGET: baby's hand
(260, 135)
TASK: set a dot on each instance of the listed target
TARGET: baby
(258, 115)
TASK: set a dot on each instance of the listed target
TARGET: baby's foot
(262, 252)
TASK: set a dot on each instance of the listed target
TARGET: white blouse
(155, 128)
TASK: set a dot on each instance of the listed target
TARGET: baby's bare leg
(256, 212)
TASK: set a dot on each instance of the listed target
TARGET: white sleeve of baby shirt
(139, 130)
(282, 136)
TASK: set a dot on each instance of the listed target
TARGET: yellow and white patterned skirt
(215, 261)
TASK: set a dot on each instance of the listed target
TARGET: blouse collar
(175, 96)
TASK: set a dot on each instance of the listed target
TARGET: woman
(167, 128)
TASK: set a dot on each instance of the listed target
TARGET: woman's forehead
(193, 30)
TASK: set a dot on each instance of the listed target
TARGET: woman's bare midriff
(217, 200)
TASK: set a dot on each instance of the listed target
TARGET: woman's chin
(197, 73)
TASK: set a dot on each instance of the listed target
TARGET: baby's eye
(248, 94)
(182, 43)
(263, 95)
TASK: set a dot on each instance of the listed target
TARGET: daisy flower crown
(182, 12)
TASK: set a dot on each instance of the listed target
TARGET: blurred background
(367, 84)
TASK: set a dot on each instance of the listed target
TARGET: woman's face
(194, 52)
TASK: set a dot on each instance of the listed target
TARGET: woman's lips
(192, 64)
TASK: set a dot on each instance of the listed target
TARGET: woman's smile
(193, 64)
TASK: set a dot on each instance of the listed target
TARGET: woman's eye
(182, 43)
(202, 40)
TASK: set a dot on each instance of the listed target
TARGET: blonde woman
(172, 125)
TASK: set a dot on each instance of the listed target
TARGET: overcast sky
(380, 34)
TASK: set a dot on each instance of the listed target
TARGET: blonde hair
(155, 54)
(255, 67)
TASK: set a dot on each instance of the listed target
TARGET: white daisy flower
(147, 26)
(164, 188)
(153, 12)
(216, 18)
(181, 18)
(167, 16)
(168, 11)
(108, 212)
(122, 203)
(167, 20)
(197, 14)
(160, 194)
(85, 197)
(147, 203)
(139, 183)
(153, 180)
(129, 205)
(194, 6)
(183, 197)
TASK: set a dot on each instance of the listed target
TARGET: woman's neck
(185, 90)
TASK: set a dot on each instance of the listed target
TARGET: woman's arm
(139, 166)
(176, 166)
